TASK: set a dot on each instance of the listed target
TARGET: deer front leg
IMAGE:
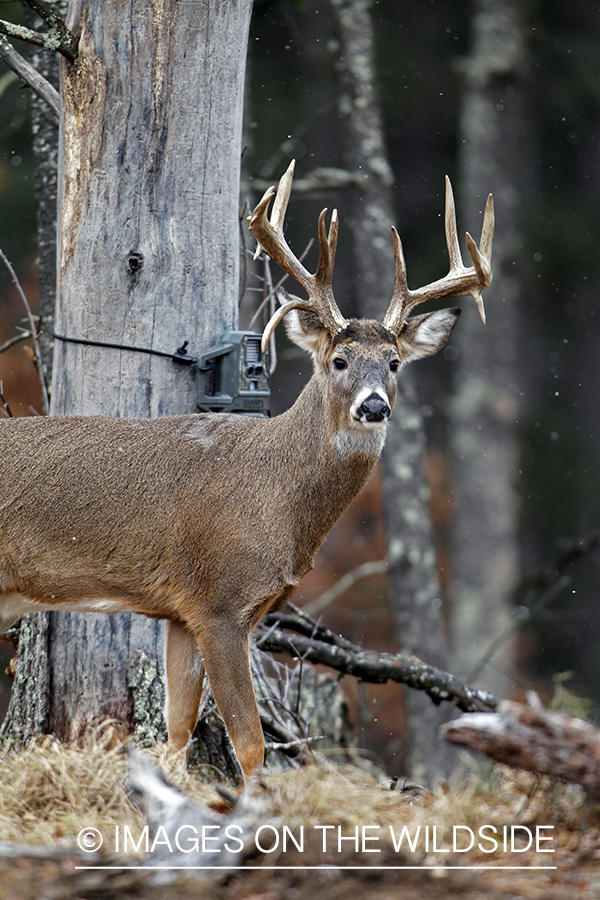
(185, 672)
(226, 652)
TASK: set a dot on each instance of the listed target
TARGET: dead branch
(573, 552)
(30, 75)
(58, 37)
(6, 411)
(14, 340)
(319, 181)
(277, 287)
(373, 567)
(533, 738)
(33, 333)
(317, 644)
(168, 808)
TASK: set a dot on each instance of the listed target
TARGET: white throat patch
(368, 440)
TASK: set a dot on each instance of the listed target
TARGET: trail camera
(233, 376)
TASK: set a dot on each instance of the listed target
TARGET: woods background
(527, 383)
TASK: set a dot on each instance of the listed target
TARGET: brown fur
(207, 521)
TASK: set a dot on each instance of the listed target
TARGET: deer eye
(394, 365)
(340, 363)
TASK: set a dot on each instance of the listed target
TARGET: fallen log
(527, 736)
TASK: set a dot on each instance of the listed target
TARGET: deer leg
(185, 672)
(226, 651)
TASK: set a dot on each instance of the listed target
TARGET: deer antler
(269, 234)
(459, 280)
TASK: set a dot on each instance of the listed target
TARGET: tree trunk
(485, 404)
(44, 130)
(416, 591)
(148, 256)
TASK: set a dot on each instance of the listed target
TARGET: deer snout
(374, 409)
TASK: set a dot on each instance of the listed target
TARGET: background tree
(485, 402)
(416, 594)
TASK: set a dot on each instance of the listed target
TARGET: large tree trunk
(148, 256)
(416, 590)
(485, 404)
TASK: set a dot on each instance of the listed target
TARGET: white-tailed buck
(152, 516)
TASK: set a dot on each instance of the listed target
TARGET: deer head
(359, 358)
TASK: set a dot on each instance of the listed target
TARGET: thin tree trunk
(416, 591)
(148, 256)
(44, 129)
(485, 402)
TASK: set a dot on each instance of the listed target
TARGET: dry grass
(50, 791)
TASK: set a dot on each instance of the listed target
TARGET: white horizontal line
(305, 868)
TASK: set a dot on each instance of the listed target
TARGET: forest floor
(51, 792)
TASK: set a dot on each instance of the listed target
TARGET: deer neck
(329, 468)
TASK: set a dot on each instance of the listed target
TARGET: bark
(148, 255)
(44, 129)
(530, 737)
(485, 404)
(415, 586)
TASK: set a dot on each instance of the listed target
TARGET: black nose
(374, 409)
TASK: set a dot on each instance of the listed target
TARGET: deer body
(89, 487)
(210, 521)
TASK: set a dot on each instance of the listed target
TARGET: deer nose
(374, 409)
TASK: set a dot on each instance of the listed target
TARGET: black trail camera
(233, 376)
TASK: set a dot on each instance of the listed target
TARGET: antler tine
(459, 280)
(327, 245)
(282, 198)
(277, 316)
(395, 316)
(452, 244)
(487, 230)
(271, 240)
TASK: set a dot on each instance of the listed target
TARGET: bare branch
(374, 567)
(546, 583)
(318, 644)
(320, 181)
(30, 75)
(243, 253)
(279, 285)
(6, 411)
(33, 331)
(14, 340)
(58, 37)
(574, 551)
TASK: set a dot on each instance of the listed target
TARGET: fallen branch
(317, 644)
(533, 738)
(180, 819)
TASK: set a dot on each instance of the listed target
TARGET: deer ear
(425, 335)
(303, 328)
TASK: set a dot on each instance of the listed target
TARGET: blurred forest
(552, 268)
